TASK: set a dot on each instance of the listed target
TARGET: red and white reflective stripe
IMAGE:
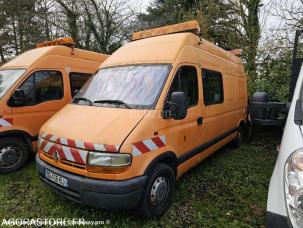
(79, 144)
(148, 145)
(64, 152)
(7, 122)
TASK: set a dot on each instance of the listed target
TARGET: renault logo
(56, 156)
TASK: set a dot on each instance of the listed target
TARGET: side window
(186, 80)
(77, 80)
(28, 88)
(212, 87)
(43, 86)
(48, 86)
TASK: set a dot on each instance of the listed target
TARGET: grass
(229, 189)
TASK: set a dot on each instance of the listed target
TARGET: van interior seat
(49, 93)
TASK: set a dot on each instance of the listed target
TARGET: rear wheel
(158, 191)
(13, 154)
(239, 139)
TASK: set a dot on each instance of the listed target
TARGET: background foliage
(104, 25)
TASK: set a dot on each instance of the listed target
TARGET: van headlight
(294, 187)
(109, 159)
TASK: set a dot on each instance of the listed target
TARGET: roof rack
(67, 41)
(190, 26)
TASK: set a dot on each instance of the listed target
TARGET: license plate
(56, 178)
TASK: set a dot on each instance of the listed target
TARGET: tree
(72, 13)
(248, 11)
(211, 15)
(291, 12)
(110, 23)
(98, 25)
(3, 33)
(230, 24)
(19, 28)
(273, 74)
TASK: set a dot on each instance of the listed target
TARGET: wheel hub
(159, 191)
(8, 155)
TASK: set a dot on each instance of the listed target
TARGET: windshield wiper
(119, 102)
(83, 99)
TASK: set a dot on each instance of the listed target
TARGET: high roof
(28, 58)
(189, 26)
(163, 49)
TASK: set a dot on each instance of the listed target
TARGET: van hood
(100, 125)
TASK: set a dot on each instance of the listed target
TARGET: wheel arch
(168, 158)
(241, 123)
(26, 137)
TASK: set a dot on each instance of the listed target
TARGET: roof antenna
(236, 52)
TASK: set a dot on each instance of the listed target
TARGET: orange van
(33, 87)
(155, 108)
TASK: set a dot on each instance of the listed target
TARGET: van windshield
(124, 87)
(7, 78)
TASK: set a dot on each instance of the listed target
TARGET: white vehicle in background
(285, 195)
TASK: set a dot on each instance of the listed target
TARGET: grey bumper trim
(123, 194)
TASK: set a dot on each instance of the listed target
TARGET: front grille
(67, 155)
(73, 164)
(70, 163)
(46, 154)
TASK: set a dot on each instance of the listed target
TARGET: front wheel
(158, 191)
(13, 154)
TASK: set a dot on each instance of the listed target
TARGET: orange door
(211, 131)
(44, 95)
(185, 135)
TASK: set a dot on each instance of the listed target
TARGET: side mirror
(18, 98)
(178, 105)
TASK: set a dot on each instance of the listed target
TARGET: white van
(285, 195)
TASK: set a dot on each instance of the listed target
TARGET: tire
(156, 198)
(13, 154)
(237, 142)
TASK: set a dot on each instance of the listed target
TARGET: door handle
(200, 121)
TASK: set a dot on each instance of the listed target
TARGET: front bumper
(277, 221)
(124, 194)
